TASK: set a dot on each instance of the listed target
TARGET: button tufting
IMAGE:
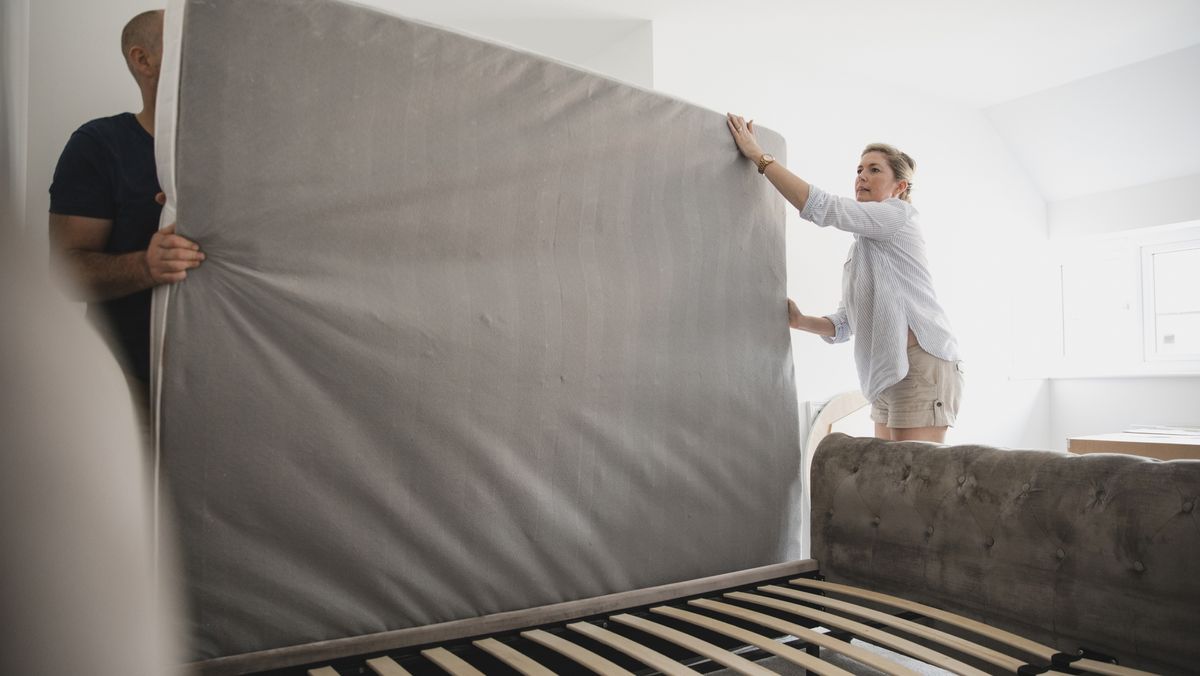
(1187, 506)
(929, 531)
(989, 541)
(1024, 488)
(854, 469)
(962, 479)
(1060, 554)
(1137, 565)
(875, 521)
(939, 404)
(830, 512)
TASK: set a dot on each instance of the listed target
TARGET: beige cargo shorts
(927, 397)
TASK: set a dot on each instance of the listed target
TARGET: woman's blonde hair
(902, 165)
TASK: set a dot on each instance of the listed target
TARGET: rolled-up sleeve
(877, 220)
(841, 326)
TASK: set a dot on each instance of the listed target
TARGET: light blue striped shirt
(886, 287)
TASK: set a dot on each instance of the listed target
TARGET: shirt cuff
(841, 330)
(816, 197)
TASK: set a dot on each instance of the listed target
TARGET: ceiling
(981, 52)
(1090, 95)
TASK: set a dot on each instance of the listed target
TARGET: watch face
(767, 158)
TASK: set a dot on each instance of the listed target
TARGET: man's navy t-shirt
(107, 171)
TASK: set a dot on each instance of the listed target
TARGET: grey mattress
(477, 332)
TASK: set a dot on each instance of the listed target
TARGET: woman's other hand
(743, 135)
(794, 315)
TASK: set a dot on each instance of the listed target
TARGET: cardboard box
(1161, 446)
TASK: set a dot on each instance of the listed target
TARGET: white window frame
(1141, 245)
(1149, 316)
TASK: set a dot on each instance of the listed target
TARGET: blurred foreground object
(76, 555)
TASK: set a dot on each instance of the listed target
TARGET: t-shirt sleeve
(81, 186)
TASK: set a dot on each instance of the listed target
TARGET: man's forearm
(102, 276)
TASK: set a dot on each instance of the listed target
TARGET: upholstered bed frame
(969, 558)
(1095, 552)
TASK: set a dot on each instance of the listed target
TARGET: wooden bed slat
(949, 640)
(1021, 643)
(587, 658)
(512, 657)
(1008, 638)
(323, 671)
(876, 636)
(696, 645)
(873, 660)
(386, 666)
(450, 663)
(648, 656)
(1098, 667)
(787, 652)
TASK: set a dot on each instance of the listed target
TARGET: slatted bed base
(793, 618)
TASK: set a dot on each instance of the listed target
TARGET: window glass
(1177, 302)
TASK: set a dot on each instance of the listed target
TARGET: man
(104, 210)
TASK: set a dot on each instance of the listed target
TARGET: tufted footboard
(1099, 552)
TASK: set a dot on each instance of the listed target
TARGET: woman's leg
(934, 434)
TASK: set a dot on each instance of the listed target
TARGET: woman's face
(876, 181)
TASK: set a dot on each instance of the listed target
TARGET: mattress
(477, 331)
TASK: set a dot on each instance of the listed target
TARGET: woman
(907, 358)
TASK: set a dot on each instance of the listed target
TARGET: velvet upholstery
(1092, 551)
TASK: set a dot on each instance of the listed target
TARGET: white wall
(76, 73)
(14, 109)
(981, 215)
(1141, 206)
(1102, 405)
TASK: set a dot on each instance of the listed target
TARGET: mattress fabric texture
(477, 331)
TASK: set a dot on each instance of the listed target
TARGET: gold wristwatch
(764, 162)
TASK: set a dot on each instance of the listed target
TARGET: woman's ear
(901, 186)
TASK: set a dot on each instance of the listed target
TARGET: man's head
(141, 45)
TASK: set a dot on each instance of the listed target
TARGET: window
(1128, 304)
(1171, 300)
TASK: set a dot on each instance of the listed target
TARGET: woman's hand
(794, 315)
(743, 135)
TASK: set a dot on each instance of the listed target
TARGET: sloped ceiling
(1089, 95)
(1130, 126)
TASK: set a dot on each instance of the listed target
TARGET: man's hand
(170, 256)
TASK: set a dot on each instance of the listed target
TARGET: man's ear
(139, 61)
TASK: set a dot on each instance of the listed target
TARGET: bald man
(104, 211)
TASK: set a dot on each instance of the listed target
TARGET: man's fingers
(171, 241)
(169, 230)
(177, 265)
(180, 266)
(181, 254)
